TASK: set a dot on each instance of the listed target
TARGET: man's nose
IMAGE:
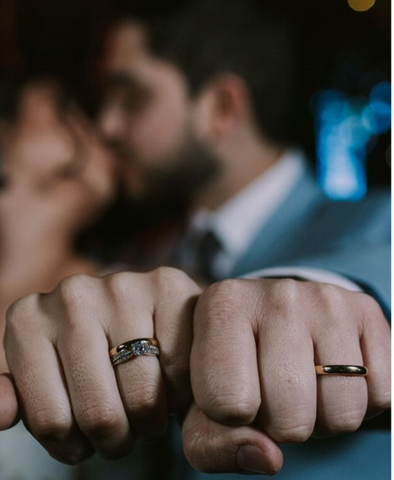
(112, 124)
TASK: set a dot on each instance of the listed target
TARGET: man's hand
(72, 399)
(255, 347)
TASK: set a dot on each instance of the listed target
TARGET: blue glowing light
(345, 127)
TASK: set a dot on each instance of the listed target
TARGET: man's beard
(170, 190)
(173, 186)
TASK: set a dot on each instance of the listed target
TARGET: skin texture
(253, 352)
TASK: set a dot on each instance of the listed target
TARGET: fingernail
(251, 459)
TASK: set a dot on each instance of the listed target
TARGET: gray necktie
(208, 248)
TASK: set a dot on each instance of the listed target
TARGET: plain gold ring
(358, 370)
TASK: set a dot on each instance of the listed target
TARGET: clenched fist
(255, 347)
(72, 399)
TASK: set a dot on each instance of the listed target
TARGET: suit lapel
(284, 235)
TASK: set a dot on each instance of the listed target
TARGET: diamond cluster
(136, 349)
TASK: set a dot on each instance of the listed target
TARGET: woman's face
(51, 151)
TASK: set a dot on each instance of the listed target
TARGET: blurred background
(344, 77)
(60, 209)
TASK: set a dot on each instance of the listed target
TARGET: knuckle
(291, 422)
(48, 427)
(330, 291)
(145, 401)
(221, 300)
(345, 422)
(163, 275)
(331, 297)
(21, 314)
(367, 301)
(292, 434)
(166, 273)
(285, 293)
(98, 421)
(121, 284)
(369, 307)
(282, 303)
(173, 280)
(70, 454)
(379, 391)
(382, 401)
(72, 297)
(225, 289)
(73, 290)
(338, 308)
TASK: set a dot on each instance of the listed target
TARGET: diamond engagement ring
(341, 370)
(134, 348)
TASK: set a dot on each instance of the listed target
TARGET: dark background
(63, 37)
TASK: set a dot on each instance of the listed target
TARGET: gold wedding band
(134, 348)
(341, 370)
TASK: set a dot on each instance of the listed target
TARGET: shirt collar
(238, 220)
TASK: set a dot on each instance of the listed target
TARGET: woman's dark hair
(9, 97)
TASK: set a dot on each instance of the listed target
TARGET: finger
(82, 344)
(287, 376)
(174, 328)
(139, 379)
(43, 396)
(213, 448)
(224, 371)
(376, 351)
(341, 400)
(8, 403)
(161, 304)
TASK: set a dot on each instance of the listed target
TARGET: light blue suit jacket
(352, 239)
(308, 229)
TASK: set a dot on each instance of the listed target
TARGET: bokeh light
(361, 5)
(347, 130)
(341, 146)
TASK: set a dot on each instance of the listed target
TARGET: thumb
(213, 448)
(8, 402)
